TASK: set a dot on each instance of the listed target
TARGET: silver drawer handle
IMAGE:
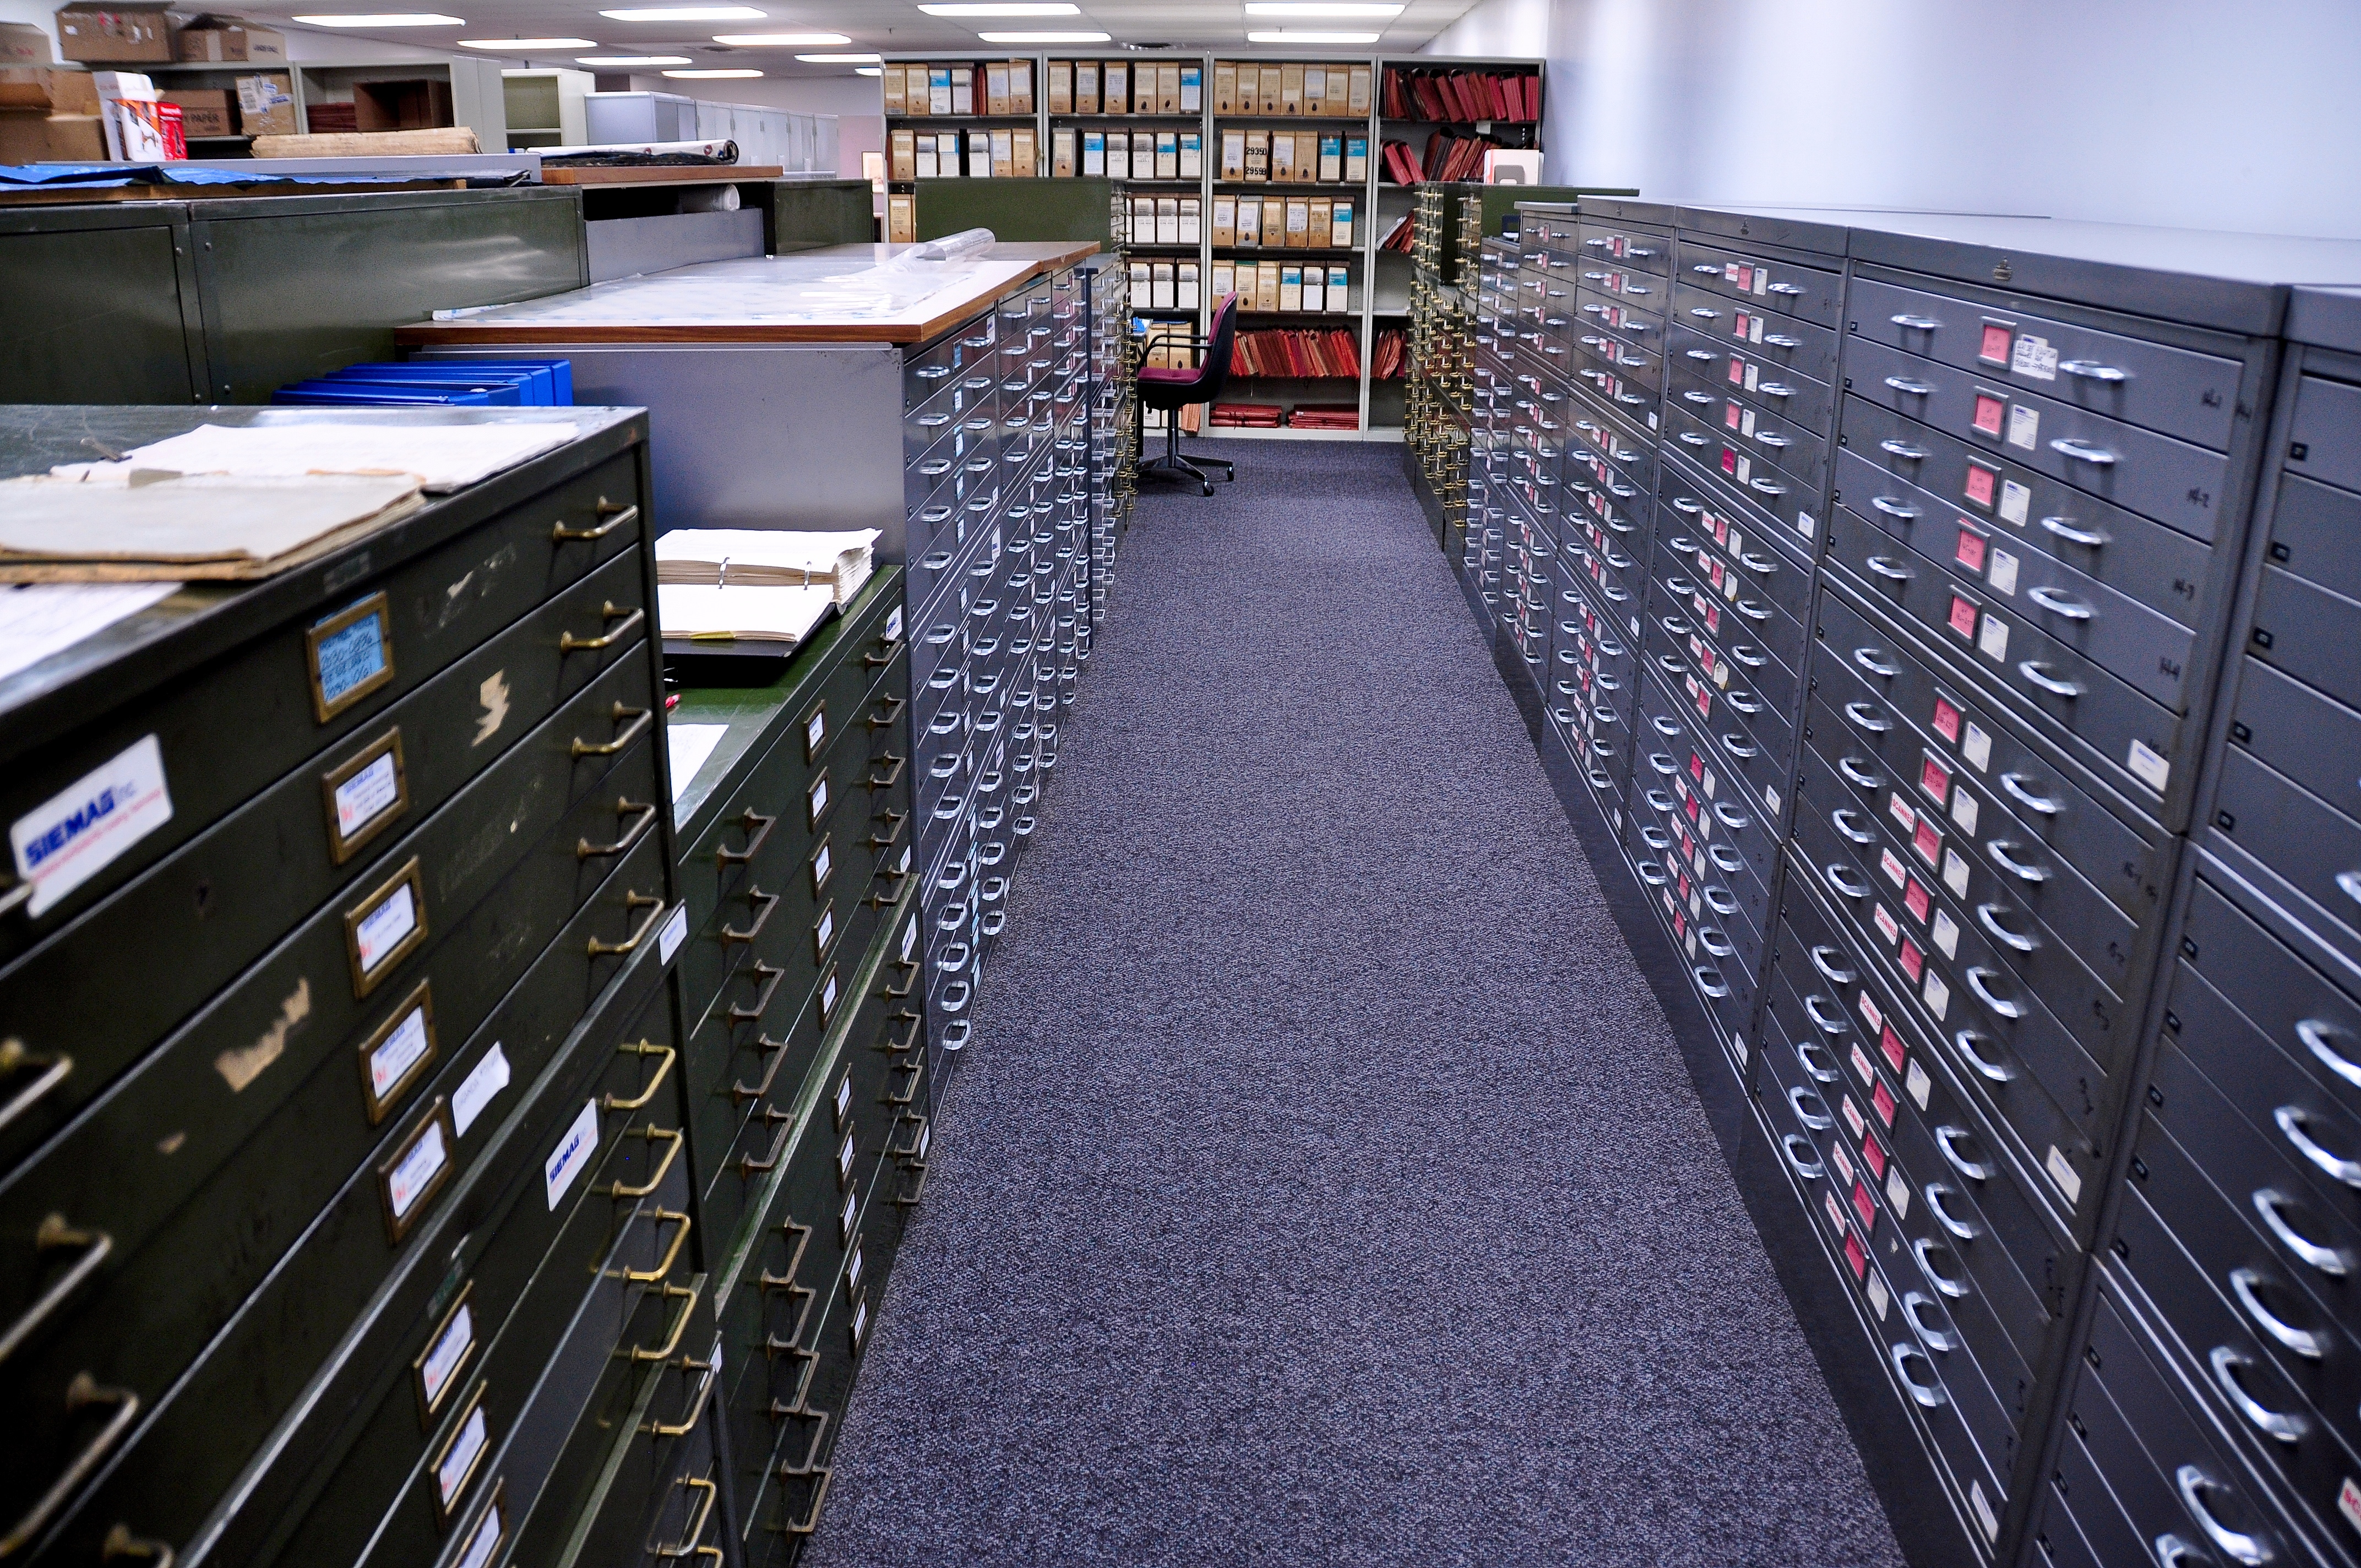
(1902, 449)
(1903, 384)
(2301, 1341)
(1914, 1306)
(1703, 314)
(2035, 672)
(1720, 902)
(2083, 452)
(1931, 1394)
(1781, 340)
(2015, 784)
(1785, 289)
(1990, 921)
(1635, 289)
(1892, 507)
(1751, 610)
(1774, 442)
(1818, 1120)
(1946, 1139)
(1998, 848)
(2063, 527)
(1916, 323)
(2050, 599)
(1707, 981)
(1935, 1192)
(1856, 775)
(1845, 819)
(1887, 567)
(1701, 399)
(934, 372)
(1775, 390)
(1966, 1041)
(1800, 1155)
(1725, 857)
(1761, 565)
(1830, 971)
(2091, 370)
(1844, 881)
(2315, 1033)
(1831, 1024)
(1767, 487)
(1924, 1250)
(1704, 271)
(2349, 885)
(2193, 1485)
(1652, 874)
(2291, 1120)
(1744, 654)
(1738, 748)
(1980, 981)
(2268, 1203)
(2276, 1423)
(1701, 354)
(1662, 764)
(1655, 838)
(1868, 659)
(1744, 704)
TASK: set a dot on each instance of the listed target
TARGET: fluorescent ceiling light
(385, 19)
(525, 46)
(1298, 36)
(868, 71)
(1043, 37)
(630, 60)
(840, 59)
(779, 41)
(686, 14)
(732, 75)
(1005, 8)
(1320, 9)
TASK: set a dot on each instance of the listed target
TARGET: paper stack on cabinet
(766, 558)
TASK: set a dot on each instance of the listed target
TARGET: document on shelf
(740, 614)
(688, 746)
(189, 526)
(839, 561)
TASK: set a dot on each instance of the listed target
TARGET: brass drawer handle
(810, 1521)
(617, 515)
(909, 1040)
(810, 1362)
(910, 1200)
(758, 827)
(672, 1140)
(755, 896)
(917, 1143)
(893, 775)
(917, 1070)
(769, 977)
(686, 1424)
(84, 1390)
(672, 1254)
(686, 1296)
(892, 820)
(121, 1544)
(749, 1166)
(895, 993)
(584, 850)
(663, 1070)
(55, 1235)
(883, 900)
(707, 1489)
(641, 718)
(894, 706)
(769, 1281)
(569, 643)
(777, 1050)
(655, 908)
(876, 661)
(14, 1056)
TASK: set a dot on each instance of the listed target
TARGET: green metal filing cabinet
(342, 1125)
(806, 1058)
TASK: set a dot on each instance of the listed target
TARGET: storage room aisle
(1327, 1183)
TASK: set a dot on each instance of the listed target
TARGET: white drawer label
(447, 1354)
(2148, 766)
(366, 796)
(458, 1461)
(2062, 1171)
(485, 1080)
(675, 932)
(75, 833)
(491, 1530)
(567, 1160)
(385, 927)
(415, 1172)
(401, 1052)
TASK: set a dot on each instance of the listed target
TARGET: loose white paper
(689, 745)
(38, 620)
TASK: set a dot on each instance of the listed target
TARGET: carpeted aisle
(1324, 1185)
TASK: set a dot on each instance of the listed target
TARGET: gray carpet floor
(1324, 1185)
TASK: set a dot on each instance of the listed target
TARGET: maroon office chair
(1174, 389)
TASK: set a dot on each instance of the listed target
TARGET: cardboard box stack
(47, 115)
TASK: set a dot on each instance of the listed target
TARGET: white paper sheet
(38, 620)
(786, 614)
(688, 746)
(441, 457)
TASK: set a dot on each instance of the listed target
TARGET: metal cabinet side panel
(99, 306)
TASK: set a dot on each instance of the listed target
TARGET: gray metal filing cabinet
(2214, 1405)
(1938, 542)
(342, 1107)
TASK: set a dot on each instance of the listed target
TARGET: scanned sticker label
(78, 832)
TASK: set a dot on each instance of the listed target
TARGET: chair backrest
(1220, 343)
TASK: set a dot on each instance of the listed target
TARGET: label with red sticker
(1990, 412)
(1913, 963)
(1737, 371)
(1947, 721)
(1746, 277)
(2348, 1502)
(1739, 326)
(1890, 864)
(1887, 925)
(1866, 1207)
(1885, 1103)
(1971, 551)
(1901, 810)
(1861, 1065)
(1854, 1119)
(1981, 486)
(1728, 460)
(1928, 842)
(1869, 1010)
(1995, 345)
(1873, 1156)
(1729, 416)
(1697, 765)
(1837, 1215)
(1963, 617)
(1917, 900)
(1891, 1044)
(1935, 778)
(1856, 1258)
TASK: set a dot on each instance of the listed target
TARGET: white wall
(857, 102)
(2188, 113)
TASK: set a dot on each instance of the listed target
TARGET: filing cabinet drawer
(1633, 352)
(309, 1347)
(2316, 848)
(2173, 481)
(2140, 736)
(2321, 443)
(2167, 572)
(1745, 465)
(1774, 282)
(1623, 246)
(1753, 629)
(927, 370)
(1784, 514)
(2310, 632)
(1626, 452)
(2169, 1466)
(1722, 550)
(1753, 719)
(1767, 431)
(1781, 340)
(659, 1487)
(1740, 372)
(1722, 759)
(2176, 390)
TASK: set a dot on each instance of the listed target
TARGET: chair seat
(1171, 376)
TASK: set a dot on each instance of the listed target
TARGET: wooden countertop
(811, 296)
(658, 173)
